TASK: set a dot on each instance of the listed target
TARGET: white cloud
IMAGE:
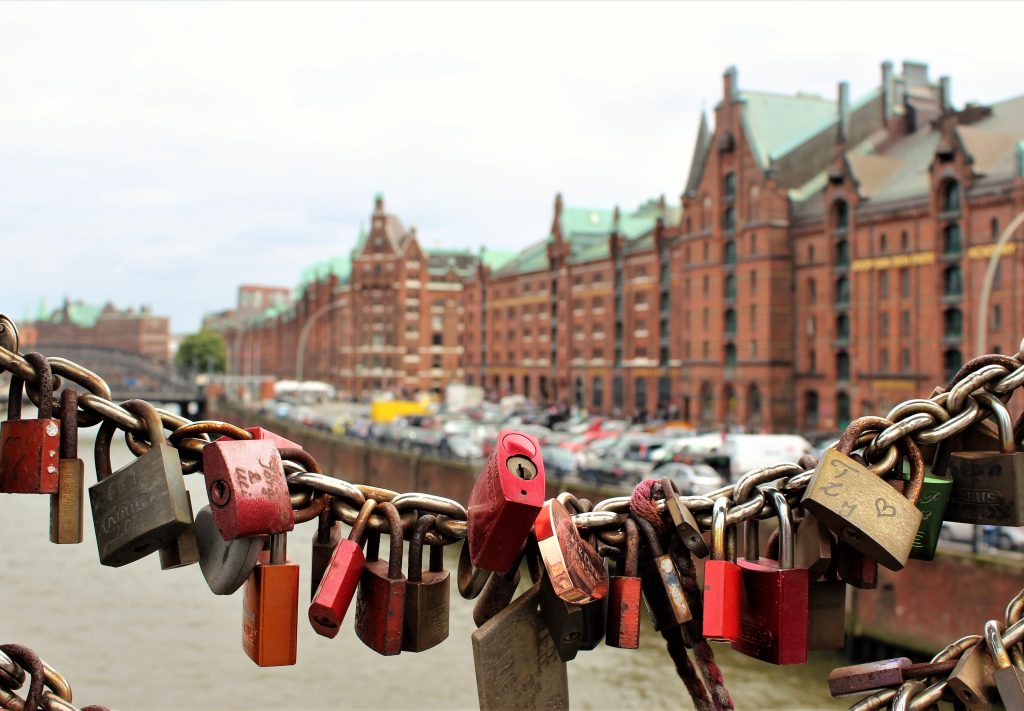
(164, 153)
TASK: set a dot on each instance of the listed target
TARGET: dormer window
(729, 187)
(951, 196)
(840, 215)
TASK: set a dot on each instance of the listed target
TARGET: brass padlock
(988, 486)
(427, 594)
(973, 679)
(66, 505)
(859, 507)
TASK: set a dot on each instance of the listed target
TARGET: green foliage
(203, 352)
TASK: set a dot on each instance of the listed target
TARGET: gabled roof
(775, 124)
(701, 150)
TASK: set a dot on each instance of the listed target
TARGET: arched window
(951, 241)
(753, 407)
(730, 286)
(951, 196)
(842, 366)
(842, 410)
(730, 355)
(810, 409)
(952, 282)
(951, 362)
(842, 290)
(579, 392)
(729, 219)
(730, 252)
(952, 323)
(707, 405)
(730, 321)
(812, 290)
(729, 395)
(526, 386)
(842, 253)
(840, 215)
(842, 327)
(597, 393)
(729, 187)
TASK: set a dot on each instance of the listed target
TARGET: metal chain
(49, 689)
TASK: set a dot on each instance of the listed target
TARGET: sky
(162, 154)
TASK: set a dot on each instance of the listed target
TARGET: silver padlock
(1009, 678)
(225, 564)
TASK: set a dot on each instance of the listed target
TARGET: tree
(203, 352)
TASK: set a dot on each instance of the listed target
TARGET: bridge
(133, 375)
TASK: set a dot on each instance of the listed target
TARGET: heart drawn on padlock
(884, 508)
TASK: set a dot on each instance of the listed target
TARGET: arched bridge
(132, 375)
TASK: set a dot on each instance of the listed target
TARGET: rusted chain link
(48, 689)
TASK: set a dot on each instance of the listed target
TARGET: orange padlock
(270, 608)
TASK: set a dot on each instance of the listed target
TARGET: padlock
(247, 488)
(265, 434)
(854, 568)
(883, 674)
(380, 603)
(270, 608)
(183, 550)
(859, 507)
(722, 581)
(826, 614)
(988, 486)
(427, 594)
(935, 492)
(516, 662)
(564, 621)
(325, 540)
(682, 520)
(29, 449)
(1009, 678)
(813, 547)
(576, 570)
(497, 592)
(972, 680)
(337, 586)
(661, 584)
(66, 505)
(774, 606)
(624, 596)
(225, 564)
(143, 506)
(595, 613)
(505, 500)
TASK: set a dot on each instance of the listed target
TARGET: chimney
(730, 84)
(888, 93)
(844, 112)
(945, 102)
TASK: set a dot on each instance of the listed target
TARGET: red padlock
(722, 582)
(247, 488)
(773, 623)
(624, 596)
(30, 449)
(338, 586)
(505, 500)
(260, 433)
(380, 604)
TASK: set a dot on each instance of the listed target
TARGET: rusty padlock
(66, 505)
(247, 488)
(505, 501)
(29, 449)
(625, 595)
(380, 602)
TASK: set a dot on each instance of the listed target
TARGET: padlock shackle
(1004, 423)
(149, 415)
(395, 554)
(300, 456)
(44, 382)
(849, 441)
(650, 536)
(358, 532)
(415, 571)
(69, 424)
(279, 549)
(994, 640)
(632, 555)
(787, 552)
(718, 528)
(101, 450)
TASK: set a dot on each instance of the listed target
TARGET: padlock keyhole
(219, 493)
(522, 467)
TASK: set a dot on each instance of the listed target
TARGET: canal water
(140, 638)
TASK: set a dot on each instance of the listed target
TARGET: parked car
(691, 479)
(559, 462)
(627, 461)
(1006, 538)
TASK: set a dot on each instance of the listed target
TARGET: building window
(951, 241)
(843, 366)
(810, 409)
(883, 360)
(904, 241)
(730, 252)
(617, 392)
(811, 325)
(753, 244)
(840, 215)
(707, 405)
(730, 286)
(883, 285)
(951, 196)
(435, 339)
(812, 291)
(905, 360)
(904, 283)
(883, 324)
(842, 290)
(952, 360)
(952, 323)
(753, 406)
(729, 219)
(753, 282)
(640, 394)
(952, 282)
(842, 253)
(997, 319)
(905, 323)
(730, 322)
(842, 327)
(843, 410)
(729, 187)
(810, 254)
(883, 243)
(435, 362)
(994, 228)
(812, 361)
(730, 355)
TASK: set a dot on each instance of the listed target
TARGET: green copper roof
(83, 315)
(775, 124)
(340, 267)
(496, 258)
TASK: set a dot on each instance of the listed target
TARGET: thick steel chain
(56, 694)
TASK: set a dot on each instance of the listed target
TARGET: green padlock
(932, 504)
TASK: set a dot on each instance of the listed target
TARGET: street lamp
(300, 352)
(990, 277)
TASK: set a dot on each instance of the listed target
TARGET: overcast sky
(162, 154)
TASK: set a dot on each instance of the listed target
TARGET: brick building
(136, 331)
(824, 261)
